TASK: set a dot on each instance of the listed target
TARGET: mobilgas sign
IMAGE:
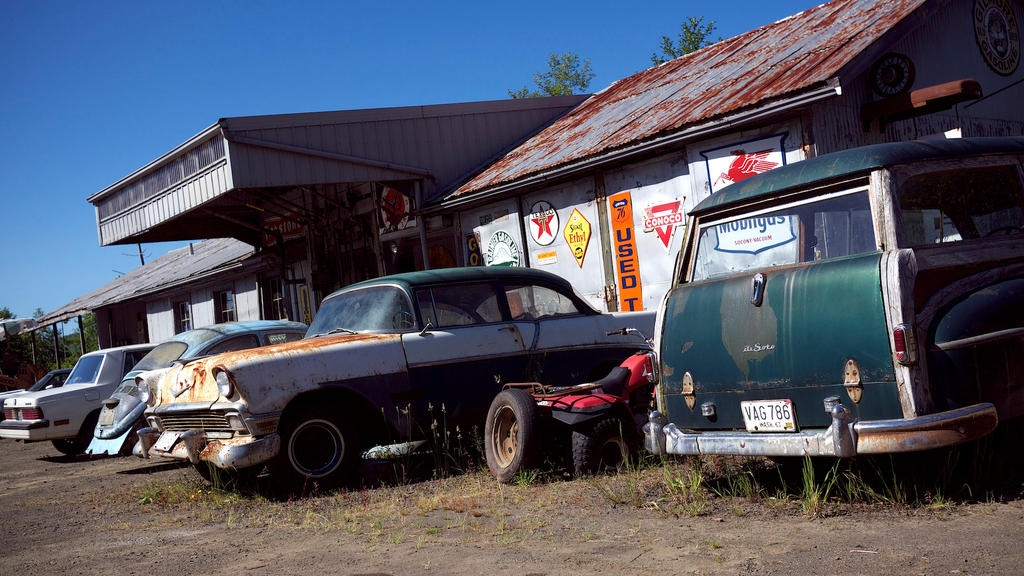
(754, 235)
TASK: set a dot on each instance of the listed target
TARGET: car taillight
(31, 414)
(903, 344)
(9, 414)
(650, 365)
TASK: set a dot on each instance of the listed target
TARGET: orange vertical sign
(627, 260)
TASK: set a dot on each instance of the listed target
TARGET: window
(237, 343)
(954, 205)
(225, 306)
(535, 302)
(86, 370)
(377, 308)
(283, 337)
(274, 305)
(459, 305)
(828, 227)
(182, 316)
(131, 358)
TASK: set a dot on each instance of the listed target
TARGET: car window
(954, 205)
(535, 302)
(377, 308)
(236, 343)
(131, 358)
(162, 355)
(86, 370)
(281, 337)
(830, 227)
(459, 305)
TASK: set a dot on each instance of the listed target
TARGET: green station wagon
(868, 301)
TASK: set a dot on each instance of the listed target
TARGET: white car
(67, 415)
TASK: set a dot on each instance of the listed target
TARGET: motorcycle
(599, 422)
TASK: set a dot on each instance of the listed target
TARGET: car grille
(206, 421)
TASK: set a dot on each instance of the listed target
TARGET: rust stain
(794, 54)
(196, 382)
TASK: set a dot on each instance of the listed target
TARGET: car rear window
(953, 205)
(86, 371)
(828, 227)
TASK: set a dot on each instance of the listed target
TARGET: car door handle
(757, 289)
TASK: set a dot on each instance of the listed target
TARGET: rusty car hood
(262, 374)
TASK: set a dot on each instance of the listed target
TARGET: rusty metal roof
(784, 58)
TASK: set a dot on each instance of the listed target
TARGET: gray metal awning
(218, 181)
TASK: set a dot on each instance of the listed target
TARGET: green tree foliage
(566, 75)
(694, 34)
(16, 352)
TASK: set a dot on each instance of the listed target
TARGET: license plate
(166, 441)
(769, 415)
(106, 417)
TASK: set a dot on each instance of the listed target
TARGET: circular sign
(502, 250)
(995, 28)
(892, 74)
(543, 223)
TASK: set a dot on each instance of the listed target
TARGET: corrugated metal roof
(784, 58)
(174, 268)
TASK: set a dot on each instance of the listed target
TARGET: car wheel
(509, 434)
(601, 447)
(76, 445)
(319, 448)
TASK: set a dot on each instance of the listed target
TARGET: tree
(694, 34)
(564, 76)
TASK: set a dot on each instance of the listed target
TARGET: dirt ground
(128, 516)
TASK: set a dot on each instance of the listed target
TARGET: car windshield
(48, 381)
(86, 371)
(954, 205)
(375, 309)
(162, 356)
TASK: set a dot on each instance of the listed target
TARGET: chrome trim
(844, 438)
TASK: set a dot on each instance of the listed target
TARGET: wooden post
(81, 334)
(34, 348)
(56, 348)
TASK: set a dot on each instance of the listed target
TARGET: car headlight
(144, 393)
(223, 379)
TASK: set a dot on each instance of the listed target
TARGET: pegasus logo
(746, 165)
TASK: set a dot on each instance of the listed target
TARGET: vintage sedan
(67, 415)
(863, 302)
(52, 379)
(383, 361)
(123, 410)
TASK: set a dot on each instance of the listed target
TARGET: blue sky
(94, 90)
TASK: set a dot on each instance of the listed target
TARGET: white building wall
(160, 319)
(247, 298)
(202, 307)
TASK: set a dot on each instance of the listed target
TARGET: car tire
(601, 447)
(509, 434)
(319, 450)
(77, 444)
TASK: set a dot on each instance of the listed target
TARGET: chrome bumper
(844, 438)
(193, 445)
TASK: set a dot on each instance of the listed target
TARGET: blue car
(123, 410)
